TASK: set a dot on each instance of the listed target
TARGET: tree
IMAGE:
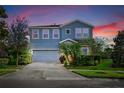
(118, 49)
(17, 37)
(107, 53)
(3, 12)
(71, 51)
(3, 30)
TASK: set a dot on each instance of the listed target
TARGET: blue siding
(44, 43)
(48, 43)
(72, 26)
(54, 43)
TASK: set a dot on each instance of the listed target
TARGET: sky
(107, 20)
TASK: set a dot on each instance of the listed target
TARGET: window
(85, 32)
(45, 34)
(78, 32)
(81, 33)
(68, 31)
(35, 34)
(55, 33)
(85, 50)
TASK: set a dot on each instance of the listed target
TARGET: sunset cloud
(109, 30)
(48, 10)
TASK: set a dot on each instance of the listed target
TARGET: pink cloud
(109, 30)
(30, 11)
(47, 10)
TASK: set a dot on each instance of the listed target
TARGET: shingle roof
(54, 25)
(60, 25)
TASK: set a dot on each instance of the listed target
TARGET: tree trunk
(17, 57)
(66, 56)
(73, 59)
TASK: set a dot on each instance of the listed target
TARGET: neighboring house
(45, 40)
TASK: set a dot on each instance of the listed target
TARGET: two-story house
(45, 40)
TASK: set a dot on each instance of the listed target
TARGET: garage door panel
(45, 56)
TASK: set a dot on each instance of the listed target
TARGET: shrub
(12, 60)
(96, 59)
(66, 63)
(87, 60)
(25, 59)
(4, 61)
(3, 53)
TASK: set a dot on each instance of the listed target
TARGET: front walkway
(43, 71)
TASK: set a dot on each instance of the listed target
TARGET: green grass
(8, 69)
(102, 70)
(101, 74)
(5, 71)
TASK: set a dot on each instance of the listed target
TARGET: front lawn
(8, 69)
(102, 70)
(100, 74)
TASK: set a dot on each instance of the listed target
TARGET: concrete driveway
(43, 71)
(52, 75)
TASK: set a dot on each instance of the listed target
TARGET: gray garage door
(45, 56)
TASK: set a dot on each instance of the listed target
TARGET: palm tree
(64, 50)
(71, 51)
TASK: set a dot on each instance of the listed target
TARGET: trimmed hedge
(12, 60)
(85, 60)
(88, 60)
(4, 61)
(23, 59)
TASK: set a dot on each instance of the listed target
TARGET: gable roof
(77, 21)
(68, 39)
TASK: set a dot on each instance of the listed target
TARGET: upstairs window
(68, 31)
(78, 33)
(56, 34)
(45, 34)
(81, 33)
(85, 32)
(35, 34)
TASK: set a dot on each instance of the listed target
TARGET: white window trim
(76, 33)
(35, 33)
(43, 33)
(68, 29)
(53, 32)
